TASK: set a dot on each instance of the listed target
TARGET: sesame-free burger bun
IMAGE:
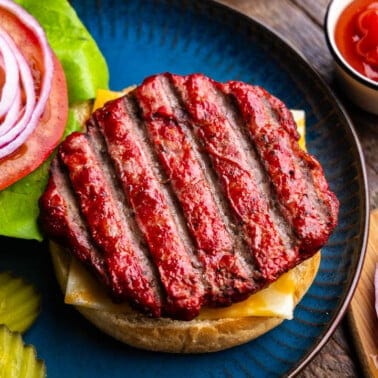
(176, 336)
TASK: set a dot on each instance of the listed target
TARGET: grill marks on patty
(180, 280)
(226, 276)
(297, 176)
(212, 126)
(106, 225)
(188, 192)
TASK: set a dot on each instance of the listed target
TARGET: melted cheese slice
(276, 300)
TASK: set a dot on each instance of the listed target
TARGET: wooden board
(362, 315)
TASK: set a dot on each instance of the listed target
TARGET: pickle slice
(18, 360)
(19, 303)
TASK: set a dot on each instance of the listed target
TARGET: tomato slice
(49, 131)
(45, 137)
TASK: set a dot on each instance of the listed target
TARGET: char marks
(181, 281)
(187, 192)
(208, 110)
(104, 222)
(226, 276)
(68, 227)
(296, 176)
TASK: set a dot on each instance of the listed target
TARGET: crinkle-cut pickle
(18, 360)
(19, 303)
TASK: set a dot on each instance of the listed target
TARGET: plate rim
(364, 196)
(342, 114)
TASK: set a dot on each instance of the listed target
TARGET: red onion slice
(7, 136)
(10, 68)
(16, 128)
(12, 116)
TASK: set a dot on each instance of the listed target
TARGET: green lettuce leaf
(19, 203)
(85, 70)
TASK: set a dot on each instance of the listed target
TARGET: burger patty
(188, 192)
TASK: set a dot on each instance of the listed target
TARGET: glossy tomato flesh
(51, 126)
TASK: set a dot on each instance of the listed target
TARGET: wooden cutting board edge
(361, 314)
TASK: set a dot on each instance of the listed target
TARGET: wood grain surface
(362, 316)
(300, 22)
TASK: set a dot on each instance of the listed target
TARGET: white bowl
(359, 89)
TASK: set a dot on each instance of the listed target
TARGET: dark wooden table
(301, 23)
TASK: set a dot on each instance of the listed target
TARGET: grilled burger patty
(188, 192)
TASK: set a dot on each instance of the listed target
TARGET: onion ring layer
(23, 97)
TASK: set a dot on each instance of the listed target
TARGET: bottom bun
(175, 336)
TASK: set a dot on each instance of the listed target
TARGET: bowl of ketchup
(351, 29)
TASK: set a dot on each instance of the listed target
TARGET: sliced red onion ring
(12, 116)
(10, 68)
(20, 120)
(8, 134)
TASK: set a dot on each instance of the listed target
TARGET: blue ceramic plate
(142, 38)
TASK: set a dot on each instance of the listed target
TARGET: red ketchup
(356, 36)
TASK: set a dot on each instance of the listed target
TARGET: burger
(190, 202)
(183, 216)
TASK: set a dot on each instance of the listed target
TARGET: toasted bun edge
(175, 336)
